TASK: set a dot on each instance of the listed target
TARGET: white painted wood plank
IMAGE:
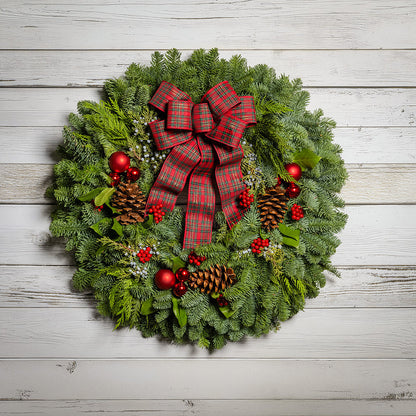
(308, 24)
(316, 68)
(368, 184)
(393, 406)
(376, 145)
(199, 379)
(370, 107)
(361, 145)
(40, 286)
(374, 235)
(347, 333)
(379, 107)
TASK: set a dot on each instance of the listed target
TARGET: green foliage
(271, 286)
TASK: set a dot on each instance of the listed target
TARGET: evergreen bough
(270, 287)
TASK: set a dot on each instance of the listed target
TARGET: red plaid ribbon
(196, 132)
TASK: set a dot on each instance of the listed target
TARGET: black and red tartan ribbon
(195, 133)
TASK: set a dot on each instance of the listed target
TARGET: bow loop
(165, 93)
(179, 115)
(221, 98)
(165, 139)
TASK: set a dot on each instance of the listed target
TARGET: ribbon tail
(201, 199)
(172, 177)
(230, 182)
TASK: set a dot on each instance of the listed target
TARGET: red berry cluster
(297, 212)
(222, 301)
(144, 255)
(245, 199)
(258, 244)
(157, 212)
(195, 259)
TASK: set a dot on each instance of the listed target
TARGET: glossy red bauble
(292, 191)
(119, 162)
(165, 279)
(182, 274)
(294, 170)
(115, 177)
(179, 289)
(133, 174)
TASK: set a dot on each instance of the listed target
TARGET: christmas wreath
(252, 234)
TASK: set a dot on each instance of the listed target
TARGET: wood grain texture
(358, 61)
(316, 68)
(256, 379)
(385, 145)
(386, 237)
(39, 286)
(393, 405)
(347, 333)
(350, 107)
(368, 184)
(308, 24)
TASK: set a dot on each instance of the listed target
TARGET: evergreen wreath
(247, 278)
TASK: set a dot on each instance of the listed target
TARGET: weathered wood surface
(394, 404)
(347, 333)
(358, 61)
(386, 237)
(368, 184)
(309, 24)
(316, 68)
(383, 287)
(256, 379)
(350, 107)
(367, 145)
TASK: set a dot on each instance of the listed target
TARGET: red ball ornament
(294, 170)
(179, 289)
(115, 177)
(165, 279)
(119, 162)
(292, 191)
(182, 274)
(133, 174)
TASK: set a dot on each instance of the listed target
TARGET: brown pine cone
(272, 207)
(215, 279)
(130, 202)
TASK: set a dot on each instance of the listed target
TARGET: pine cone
(130, 202)
(272, 207)
(215, 279)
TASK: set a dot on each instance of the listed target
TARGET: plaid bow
(196, 132)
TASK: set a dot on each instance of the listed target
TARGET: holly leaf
(104, 196)
(96, 226)
(149, 222)
(226, 311)
(306, 159)
(179, 312)
(91, 195)
(177, 263)
(117, 227)
(147, 307)
(290, 236)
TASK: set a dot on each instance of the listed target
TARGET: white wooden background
(352, 351)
